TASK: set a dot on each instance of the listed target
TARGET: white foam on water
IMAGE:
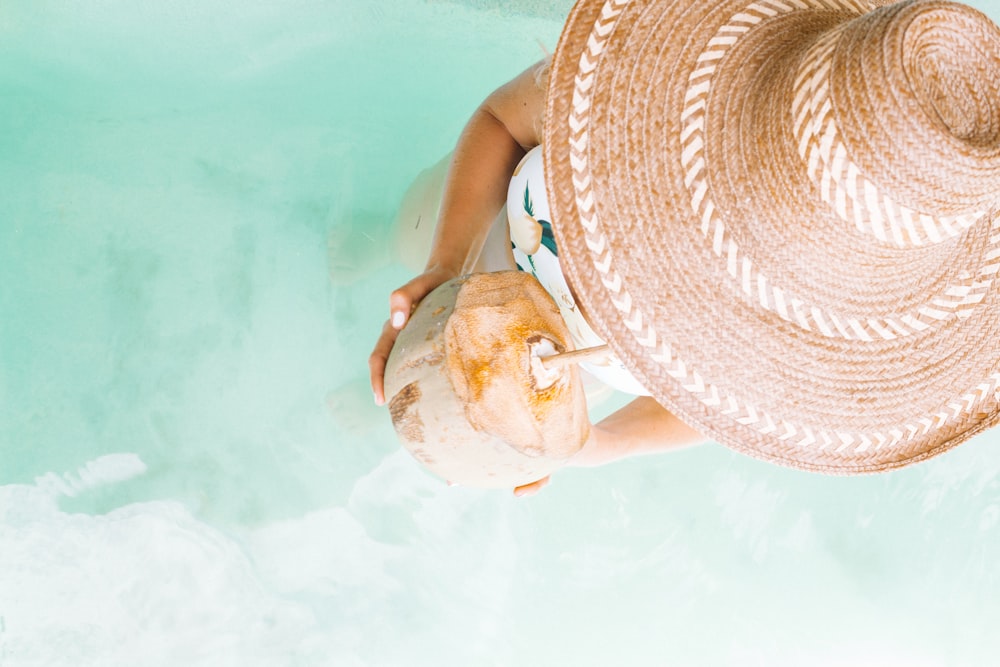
(149, 583)
(146, 584)
(408, 567)
(102, 471)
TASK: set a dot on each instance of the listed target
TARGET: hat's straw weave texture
(783, 216)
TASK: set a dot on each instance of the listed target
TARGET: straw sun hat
(788, 221)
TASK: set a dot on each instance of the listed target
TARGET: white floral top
(535, 252)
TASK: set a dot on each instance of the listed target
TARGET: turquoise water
(194, 210)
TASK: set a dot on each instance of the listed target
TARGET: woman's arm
(641, 427)
(502, 129)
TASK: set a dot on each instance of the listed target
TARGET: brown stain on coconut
(479, 374)
(523, 335)
(423, 456)
(507, 359)
(406, 420)
(541, 401)
(479, 369)
(432, 359)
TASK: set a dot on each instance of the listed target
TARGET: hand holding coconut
(471, 236)
(401, 303)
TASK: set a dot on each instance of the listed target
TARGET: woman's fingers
(403, 300)
(401, 303)
(533, 488)
(376, 362)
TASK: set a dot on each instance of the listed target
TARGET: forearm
(503, 128)
(641, 427)
(475, 191)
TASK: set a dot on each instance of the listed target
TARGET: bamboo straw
(555, 361)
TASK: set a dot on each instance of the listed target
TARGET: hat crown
(903, 105)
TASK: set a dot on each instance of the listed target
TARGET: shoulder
(520, 104)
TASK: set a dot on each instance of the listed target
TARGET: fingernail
(375, 396)
(398, 318)
(453, 484)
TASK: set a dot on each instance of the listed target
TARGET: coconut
(469, 394)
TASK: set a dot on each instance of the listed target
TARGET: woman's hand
(533, 488)
(402, 302)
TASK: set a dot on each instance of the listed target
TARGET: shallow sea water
(195, 200)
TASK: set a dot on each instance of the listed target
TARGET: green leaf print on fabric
(548, 239)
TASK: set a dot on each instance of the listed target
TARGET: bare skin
(504, 127)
